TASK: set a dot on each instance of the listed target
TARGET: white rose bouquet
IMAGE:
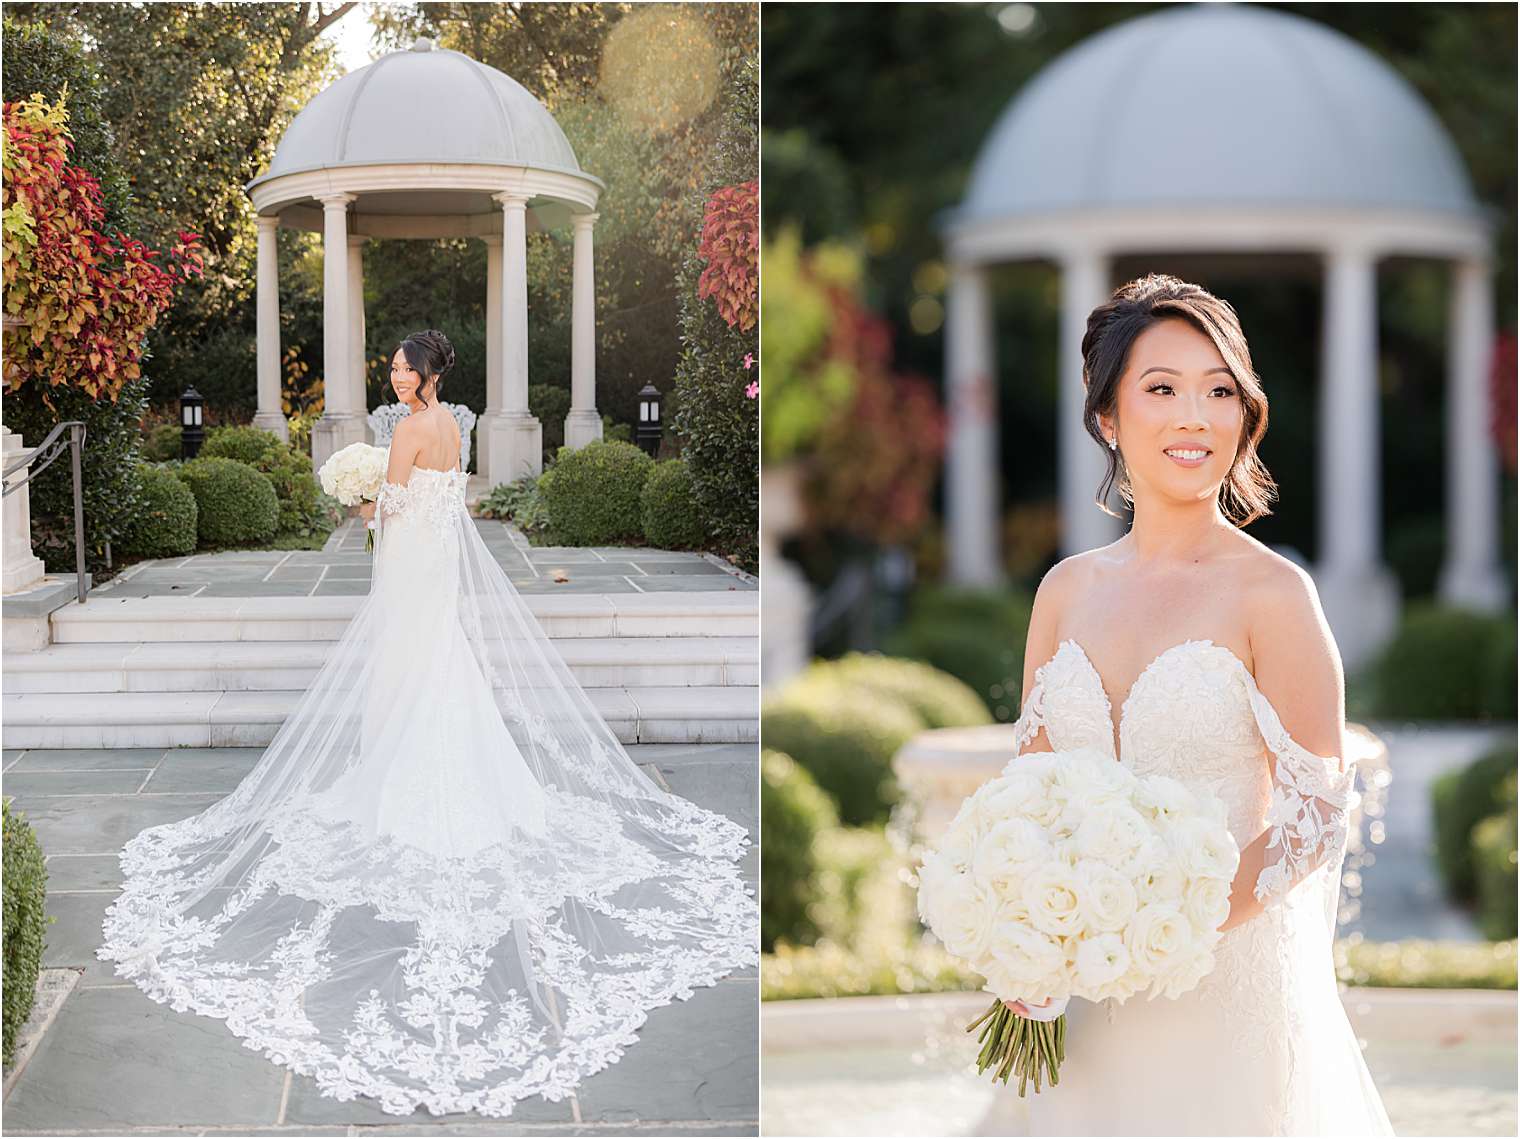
(355, 474)
(1069, 875)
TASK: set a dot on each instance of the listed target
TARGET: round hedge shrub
(846, 737)
(1434, 666)
(938, 699)
(975, 635)
(672, 519)
(793, 813)
(25, 891)
(166, 525)
(288, 469)
(163, 443)
(1460, 800)
(1499, 671)
(236, 505)
(1494, 860)
(593, 498)
(244, 443)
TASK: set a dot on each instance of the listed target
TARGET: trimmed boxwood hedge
(25, 894)
(846, 736)
(672, 519)
(166, 525)
(937, 698)
(1461, 800)
(1448, 663)
(594, 494)
(794, 812)
(236, 505)
(973, 634)
(288, 469)
(1494, 860)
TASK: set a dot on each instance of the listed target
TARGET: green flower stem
(1011, 1044)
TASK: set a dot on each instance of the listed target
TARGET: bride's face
(404, 378)
(1177, 394)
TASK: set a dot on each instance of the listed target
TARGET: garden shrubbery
(939, 699)
(1474, 811)
(25, 890)
(794, 812)
(1494, 858)
(846, 737)
(235, 504)
(594, 493)
(166, 525)
(975, 635)
(672, 519)
(304, 509)
(1447, 663)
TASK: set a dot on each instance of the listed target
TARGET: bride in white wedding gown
(445, 883)
(1192, 623)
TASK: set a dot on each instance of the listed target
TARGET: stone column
(513, 444)
(495, 379)
(357, 365)
(1085, 285)
(972, 470)
(1359, 594)
(1471, 575)
(341, 422)
(271, 413)
(21, 568)
(584, 423)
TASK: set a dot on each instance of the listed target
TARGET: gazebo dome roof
(1216, 104)
(422, 105)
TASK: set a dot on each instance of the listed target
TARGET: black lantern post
(650, 428)
(192, 432)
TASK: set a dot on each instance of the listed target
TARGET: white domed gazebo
(429, 143)
(1219, 128)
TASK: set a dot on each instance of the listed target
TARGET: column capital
(1352, 252)
(511, 199)
(584, 221)
(268, 221)
(338, 201)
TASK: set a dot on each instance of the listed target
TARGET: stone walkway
(113, 1062)
(343, 568)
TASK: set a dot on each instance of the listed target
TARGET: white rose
(961, 914)
(1111, 833)
(1052, 894)
(1101, 959)
(1161, 881)
(1000, 859)
(1183, 974)
(1107, 898)
(1023, 959)
(1157, 935)
(1203, 848)
(1161, 796)
(1206, 902)
(1021, 794)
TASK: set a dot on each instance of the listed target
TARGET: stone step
(693, 714)
(239, 666)
(718, 613)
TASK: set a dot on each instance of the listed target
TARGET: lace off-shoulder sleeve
(394, 497)
(1031, 720)
(1312, 798)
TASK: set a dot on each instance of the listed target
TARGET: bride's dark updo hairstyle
(1249, 489)
(430, 354)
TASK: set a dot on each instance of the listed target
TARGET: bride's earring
(1113, 444)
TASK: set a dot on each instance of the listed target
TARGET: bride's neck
(1163, 533)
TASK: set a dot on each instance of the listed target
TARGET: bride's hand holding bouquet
(354, 475)
(1068, 875)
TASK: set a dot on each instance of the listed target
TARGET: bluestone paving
(115, 1062)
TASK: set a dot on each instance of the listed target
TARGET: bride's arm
(1039, 645)
(1300, 706)
(404, 449)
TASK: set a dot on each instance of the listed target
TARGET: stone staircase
(661, 667)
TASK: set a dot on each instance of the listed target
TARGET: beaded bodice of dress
(1189, 715)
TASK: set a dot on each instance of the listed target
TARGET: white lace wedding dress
(445, 883)
(1262, 1046)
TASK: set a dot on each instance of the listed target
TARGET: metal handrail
(49, 449)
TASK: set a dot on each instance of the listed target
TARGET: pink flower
(749, 361)
(753, 390)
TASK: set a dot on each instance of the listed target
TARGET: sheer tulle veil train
(445, 883)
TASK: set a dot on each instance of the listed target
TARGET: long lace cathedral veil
(478, 965)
